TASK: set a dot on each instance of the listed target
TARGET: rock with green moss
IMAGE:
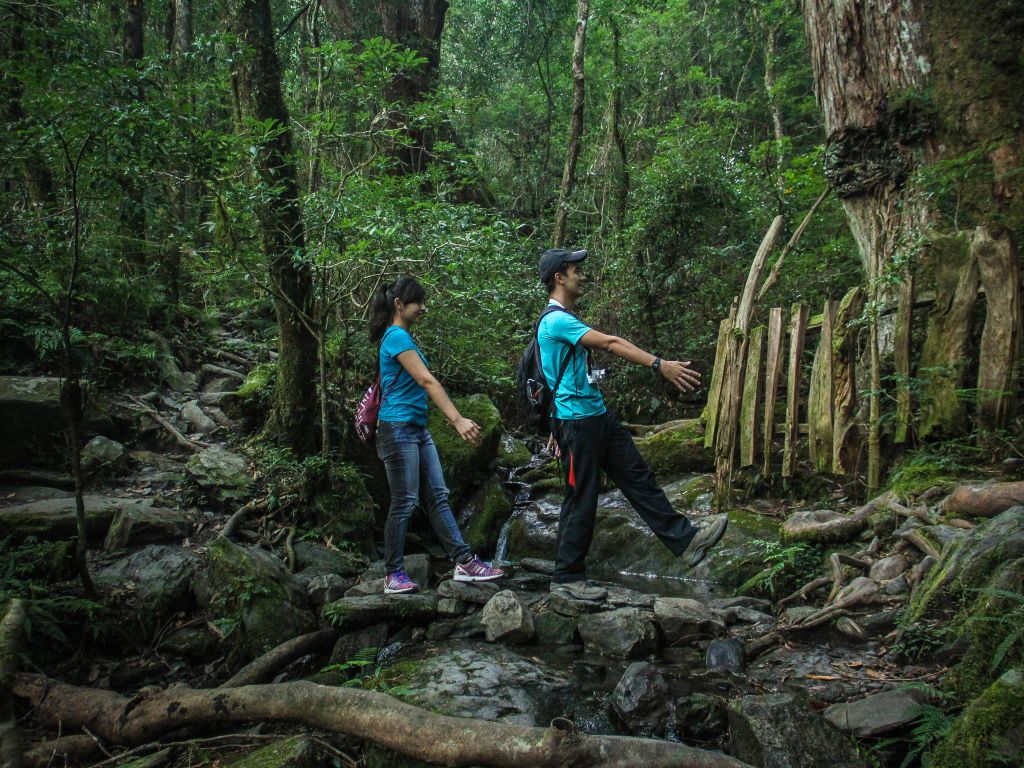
(915, 473)
(220, 476)
(252, 592)
(466, 465)
(293, 752)
(252, 400)
(513, 452)
(990, 732)
(488, 511)
(677, 451)
(354, 612)
(54, 519)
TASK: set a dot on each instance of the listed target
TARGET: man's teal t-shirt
(406, 400)
(576, 397)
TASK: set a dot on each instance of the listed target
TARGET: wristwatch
(656, 364)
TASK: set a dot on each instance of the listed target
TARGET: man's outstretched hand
(680, 374)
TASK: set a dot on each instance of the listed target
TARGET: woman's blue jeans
(412, 464)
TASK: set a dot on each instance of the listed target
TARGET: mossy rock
(990, 732)
(253, 398)
(678, 451)
(252, 588)
(915, 473)
(464, 463)
(513, 452)
(293, 752)
(490, 509)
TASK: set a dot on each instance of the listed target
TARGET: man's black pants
(602, 443)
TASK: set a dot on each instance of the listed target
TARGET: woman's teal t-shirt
(406, 400)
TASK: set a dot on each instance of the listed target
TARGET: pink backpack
(369, 407)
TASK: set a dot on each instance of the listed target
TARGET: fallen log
(984, 500)
(366, 715)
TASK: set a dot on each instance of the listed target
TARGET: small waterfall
(501, 552)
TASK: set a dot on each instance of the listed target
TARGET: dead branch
(193, 445)
(266, 666)
(757, 646)
(216, 370)
(367, 715)
(806, 590)
(230, 356)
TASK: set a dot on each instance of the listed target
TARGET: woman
(405, 445)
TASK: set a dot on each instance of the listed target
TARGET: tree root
(368, 715)
(914, 536)
(266, 666)
(806, 590)
(193, 445)
(66, 749)
(240, 516)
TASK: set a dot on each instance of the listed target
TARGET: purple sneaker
(476, 570)
(398, 582)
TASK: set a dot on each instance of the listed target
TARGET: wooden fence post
(751, 408)
(773, 372)
(797, 331)
(820, 396)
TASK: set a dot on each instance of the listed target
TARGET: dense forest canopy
(424, 139)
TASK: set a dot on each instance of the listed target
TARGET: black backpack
(535, 400)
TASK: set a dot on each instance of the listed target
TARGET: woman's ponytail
(382, 306)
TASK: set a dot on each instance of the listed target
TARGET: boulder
(54, 519)
(471, 592)
(641, 700)
(889, 568)
(34, 424)
(554, 629)
(155, 580)
(197, 419)
(881, 713)
(142, 523)
(990, 731)
(775, 731)
(506, 619)
(485, 514)
(314, 557)
(725, 653)
(465, 464)
(625, 632)
(251, 590)
(677, 451)
(323, 587)
(101, 454)
(683, 620)
(221, 476)
(701, 719)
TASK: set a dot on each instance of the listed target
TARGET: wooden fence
(749, 423)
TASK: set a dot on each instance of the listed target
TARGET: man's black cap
(552, 260)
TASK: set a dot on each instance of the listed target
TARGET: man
(588, 438)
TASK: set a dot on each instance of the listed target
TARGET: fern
(1011, 620)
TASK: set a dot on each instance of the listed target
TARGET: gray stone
(897, 586)
(348, 645)
(156, 580)
(374, 587)
(683, 620)
(143, 523)
(702, 719)
(417, 568)
(197, 644)
(324, 587)
(196, 419)
(506, 619)
(221, 476)
(568, 606)
(355, 612)
(54, 519)
(740, 601)
(737, 614)
(101, 454)
(470, 592)
(450, 606)
(311, 556)
(725, 653)
(775, 731)
(881, 713)
(537, 565)
(554, 629)
(641, 700)
(466, 626)
(625, 632)
(889, 568)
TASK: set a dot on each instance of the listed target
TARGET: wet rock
(507, 620)
(683, 620)
(882, 713)
(324, 587)
(196, 418)
(568, 606)
(417, 567)
(889, 568)
(355, 612)
(641, 700)
(155, 580)
(197, 644)
(466, 626)
(536, 565)
(797, 613)
(142, 523)
(775, 731)
(623, 597)
(54, 519)
(554, 629)
(362, 589)
(488, 683)
(485, 514)
(739, 615)
(101, 454)
(741, 601)
(221, 476)
(897, 586)
(851, 629)
(350, 644)
(878, 624)
(701, 719)
(725, 653)
(450, 606)
(470, 592)
(464, 463)
(625, 632)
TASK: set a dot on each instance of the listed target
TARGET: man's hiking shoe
(476, 570)
(398, 583)
(578, 590)
(707, 536)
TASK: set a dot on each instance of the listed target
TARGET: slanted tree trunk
(257, 77)
(575, 121)
(922, 108)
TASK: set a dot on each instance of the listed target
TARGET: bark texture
(575, 121)
(366, 715)
(257, 77)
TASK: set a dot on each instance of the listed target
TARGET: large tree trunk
(922, 107)
(257, 77)
(183, 192)
(575, 121)
(133, 208)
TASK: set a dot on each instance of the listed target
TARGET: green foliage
(921, 639)
(785, 565)
(940, 464)
(1006, 615)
